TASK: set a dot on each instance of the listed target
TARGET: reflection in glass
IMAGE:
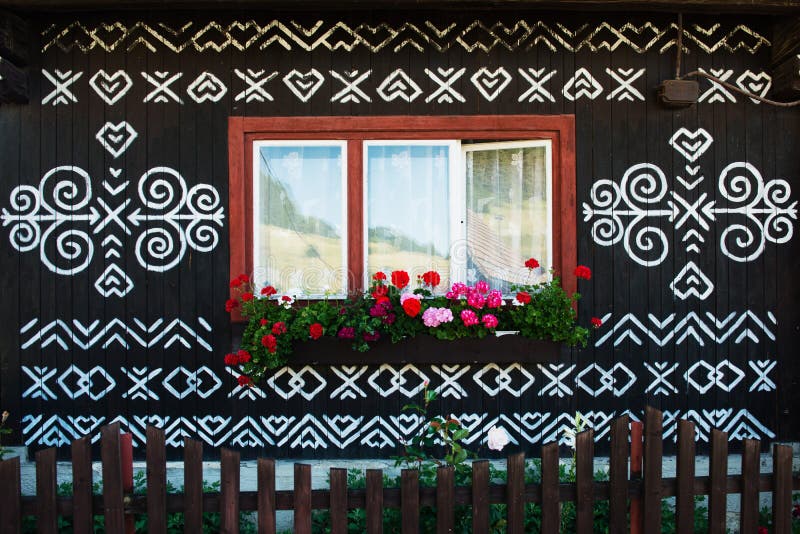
(299, 217)
(408, 216)
(508, 212)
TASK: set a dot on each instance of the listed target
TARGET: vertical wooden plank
(113, 507)
(515, 494)
(46, 517)
(618, 477)
(82, 515)
(550, 512)
(126, 458)
(653, 453)
(717, 497)
(782, 489)
(751, 470)
(374, 501)
(266, 495)
(445, 499)
(684, 501)
(10, 511)
(480, 497)
(229, 491)
(302, 498)
(156, 481)
(637, 429)
(409, 500)
(584, 482)
(338, 506)
(192, 486)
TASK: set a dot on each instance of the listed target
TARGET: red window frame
(243, 131)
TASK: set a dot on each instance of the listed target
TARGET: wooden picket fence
(634, 492)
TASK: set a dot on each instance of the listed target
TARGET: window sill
(425, 349)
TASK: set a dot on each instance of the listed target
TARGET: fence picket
(192, 486)
(113, 506)
(409, 500)
(782, 489)
(717, 498)
(515, 493)
(229, 491)
(10, 497)
(46, 516)
(338, 506)
(480, 497)
(445, 499)
(156, 456)
(750, 472)
(550, 512)
(266, 495)
(584, 482)
(302, 498)
(653, 458)
(374, 509)
(618, 477)
(684, 501)
(82, 482)
(637, 430)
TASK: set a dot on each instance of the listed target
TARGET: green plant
(390, 309)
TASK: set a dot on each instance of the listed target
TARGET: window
(329, 200)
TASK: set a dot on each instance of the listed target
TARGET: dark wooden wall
(700, 325)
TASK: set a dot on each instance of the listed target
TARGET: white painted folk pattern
(60, 214)
(337, 431)
(634, 211)
(306, 382)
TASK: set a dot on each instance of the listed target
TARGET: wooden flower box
(424, 349)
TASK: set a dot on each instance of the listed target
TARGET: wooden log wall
(114, 292)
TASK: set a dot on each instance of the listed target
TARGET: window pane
(508, 211)
(299, 217)
(407, 207)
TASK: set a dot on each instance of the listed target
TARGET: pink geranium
(469, 318)
(494, 299)
(489, 321)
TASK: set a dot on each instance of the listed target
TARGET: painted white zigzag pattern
(696, 327)
(160, 333)
(340, 431)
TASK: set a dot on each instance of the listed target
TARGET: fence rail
(634, 490)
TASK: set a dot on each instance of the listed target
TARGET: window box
(424, 349)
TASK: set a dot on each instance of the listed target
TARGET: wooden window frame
(243, 131)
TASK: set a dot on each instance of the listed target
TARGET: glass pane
(408, 215)
(299, 218)
(508, 214)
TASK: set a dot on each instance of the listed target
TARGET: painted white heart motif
(491, 84)
(691, 145)
(116, 138)
(759, 84)
(304, 85)
(113, 281)
(111, 87)
(206, 87)
(213, 424)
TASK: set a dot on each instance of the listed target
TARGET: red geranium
(244, 380)
(531, 263)
(431, 278)
(231, 304)
(247, 297)
(270, 342)
(264, 322)
(379, 276)
(279, 328)
(412, 307)
(315, 331)
(582, 271)
(399, 279)
(596, 322)
(523, 297)
(268, 291)
(243, 356)
(380, 292)
(231, 359)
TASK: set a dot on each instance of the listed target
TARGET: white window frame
(457, 220)
(502, 145)
(259, 271)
